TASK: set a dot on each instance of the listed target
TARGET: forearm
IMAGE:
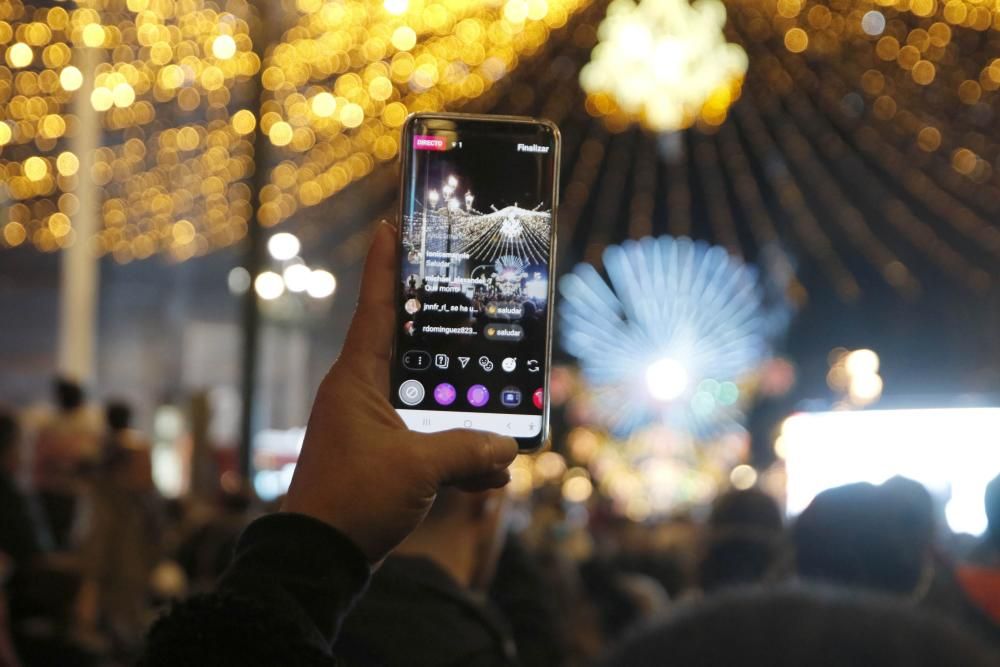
(292, 581)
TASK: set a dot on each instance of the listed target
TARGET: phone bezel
(542, 440)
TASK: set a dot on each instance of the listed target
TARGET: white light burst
(680, 326)
(664, 63)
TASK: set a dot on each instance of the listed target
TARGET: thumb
(462, 456)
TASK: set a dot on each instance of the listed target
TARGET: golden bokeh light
(20, 55)
(224, 47)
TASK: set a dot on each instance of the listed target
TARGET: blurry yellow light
(537, 9)
(171, 76)
(781, 447)
(14, 233)
(20, 55)
(183, 232)
(577, 489)
(865, 389)
(352, 115)
(743, 477)
(244, 121)
(224, 47)
(36, 168)
(323, 104)
(929, 139)
(5, 134)
(70, 78)
(404, 38)
(796, 40)
(658, 62)
(550, 465)
(923, 72)
(396, 7)
(93, 35)
(380, 88)
(102, 99)
(123, 94)
(515, 11)
(280, 133)
(861, 362)
(59, 224)
(67, 163)
(52, 126)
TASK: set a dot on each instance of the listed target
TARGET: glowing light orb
(224, 47)
(664, 64)
(666, 379)
(297, 277)
(321, 284)
(668, 341)
(269, 285)
(283, 246)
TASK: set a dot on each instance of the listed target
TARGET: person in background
(881, 538)
(68, 443)
(122, 531)
(743, 542)
(530, 601)
(20, 538)
(37, 592)
(430, 592)
(791, 627)
(980, 576)
(363, 483)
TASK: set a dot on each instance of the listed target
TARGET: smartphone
(477, 245)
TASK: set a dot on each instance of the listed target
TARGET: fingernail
(504, 450)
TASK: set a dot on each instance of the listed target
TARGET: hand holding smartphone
(474, 305)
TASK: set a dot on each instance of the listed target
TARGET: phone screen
(474, 304)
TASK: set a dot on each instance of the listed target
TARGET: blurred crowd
(91, 553)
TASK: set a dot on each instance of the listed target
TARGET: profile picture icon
(411, 306)
(409, 328)
(413, 257)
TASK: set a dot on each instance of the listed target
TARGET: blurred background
(188, 188)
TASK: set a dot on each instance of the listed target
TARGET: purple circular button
(478, 395)
(445, 394)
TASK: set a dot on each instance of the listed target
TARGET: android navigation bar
(429, 421)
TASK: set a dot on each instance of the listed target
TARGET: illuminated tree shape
(681, 325)
(664, 64)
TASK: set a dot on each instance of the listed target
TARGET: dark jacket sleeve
(292, 581)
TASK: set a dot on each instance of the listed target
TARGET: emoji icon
(509, 364)
(486, 364)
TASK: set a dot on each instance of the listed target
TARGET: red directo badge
(426, 142)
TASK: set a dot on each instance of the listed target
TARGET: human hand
(361, 470)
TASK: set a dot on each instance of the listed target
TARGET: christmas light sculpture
(670, 340)
(664, 64)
